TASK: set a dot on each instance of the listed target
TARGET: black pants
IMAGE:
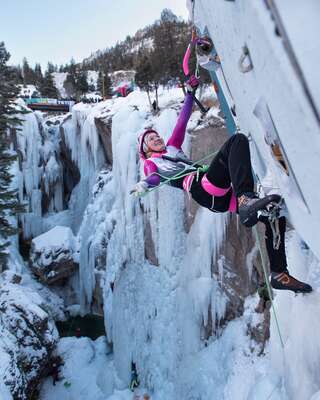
(232, 166)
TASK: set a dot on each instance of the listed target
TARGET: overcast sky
(56, 30)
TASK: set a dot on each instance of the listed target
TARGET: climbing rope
(181, 174)
(264, 267)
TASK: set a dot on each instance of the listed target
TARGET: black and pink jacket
(155, 164)
(157, 169)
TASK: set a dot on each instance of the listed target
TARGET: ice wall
(271, 99)
(82, 139)
(148, 309)
(38, 175)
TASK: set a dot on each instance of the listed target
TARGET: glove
(140, 188)
(192, 84)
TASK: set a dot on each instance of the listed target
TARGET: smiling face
(155, 142)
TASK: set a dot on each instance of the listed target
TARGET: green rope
(181, 174)
(268, 283)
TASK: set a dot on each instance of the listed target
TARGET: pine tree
(47, 87)
(18, 74)
(144, 76)
(82, 82)
(72, 68)
(38, 73)
(29, 76)
(9, 204)
(51, 68)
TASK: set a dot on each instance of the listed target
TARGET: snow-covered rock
(28, 337)
(54, 255)
(88, 371)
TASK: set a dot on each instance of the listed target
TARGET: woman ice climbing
(227, 185)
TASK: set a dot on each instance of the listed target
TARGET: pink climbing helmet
(141, 143)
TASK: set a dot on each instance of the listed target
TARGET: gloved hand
(192, 84)
(140, 188)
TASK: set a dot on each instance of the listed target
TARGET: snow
(87, 371)
(58, 79)
(92, 96)
(28, 90)
(307, 51)
(27, 333)
(59, 237)
(299, 327)
(93, 78)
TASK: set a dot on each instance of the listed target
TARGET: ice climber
(134, 383)
(227, 185)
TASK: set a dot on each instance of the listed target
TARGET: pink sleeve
(177, 137)
(150, 169)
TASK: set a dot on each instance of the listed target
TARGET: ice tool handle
(186, 71)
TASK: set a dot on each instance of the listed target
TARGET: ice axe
(186, 71)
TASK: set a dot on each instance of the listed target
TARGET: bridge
(44, 104)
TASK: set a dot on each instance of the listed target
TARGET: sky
(57, 30)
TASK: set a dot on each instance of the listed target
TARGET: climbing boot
(249, 204)
(284, 281)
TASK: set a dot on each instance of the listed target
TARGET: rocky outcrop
(149, 246)
(29, 337)
(54, 256)
(104, 131)
(71, 173)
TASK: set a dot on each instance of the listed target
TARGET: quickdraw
(273, 213)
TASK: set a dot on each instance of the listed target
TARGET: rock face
(71, 173)
(238, 251)
(54, 256)
(149, 246)
(104, 131)
(29, 337)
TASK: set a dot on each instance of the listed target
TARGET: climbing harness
(245, 63)
(198, 168)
